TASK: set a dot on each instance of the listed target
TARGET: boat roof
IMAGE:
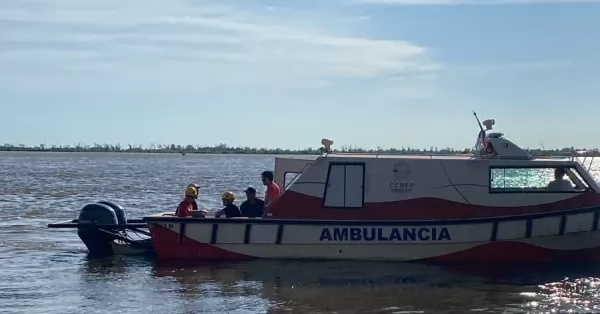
(490, 145)
(445, 157)
(432, 156)
(541, 161)
(350, 155)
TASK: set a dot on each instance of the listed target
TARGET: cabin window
(345, 185)
(289, 178)
(536, 180)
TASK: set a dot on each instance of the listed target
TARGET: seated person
(231, 210)
(253, 206)
(186, 208)
(559, 184)
(197, 187)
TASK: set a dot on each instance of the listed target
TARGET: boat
(493, 205)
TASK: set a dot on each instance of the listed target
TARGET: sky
(286, 73)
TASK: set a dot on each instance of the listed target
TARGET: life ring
(489, 149)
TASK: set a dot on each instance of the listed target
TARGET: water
(46, 270)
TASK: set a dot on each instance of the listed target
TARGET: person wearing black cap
(253, 206)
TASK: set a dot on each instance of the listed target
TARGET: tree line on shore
(226, 149)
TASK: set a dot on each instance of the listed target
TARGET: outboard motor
(119, 211)
(99, 240)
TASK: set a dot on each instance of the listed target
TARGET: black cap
(250, 190)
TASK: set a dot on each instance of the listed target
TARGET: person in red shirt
(272, 188)
(197, 187)
(186, 207)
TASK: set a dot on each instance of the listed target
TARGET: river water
(47, 271)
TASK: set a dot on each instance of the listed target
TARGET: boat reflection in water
(351, 287)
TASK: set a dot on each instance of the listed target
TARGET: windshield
(537, 179)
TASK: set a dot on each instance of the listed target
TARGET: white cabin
(500, 174)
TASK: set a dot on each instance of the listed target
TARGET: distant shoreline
(154, 152)
(224, 149)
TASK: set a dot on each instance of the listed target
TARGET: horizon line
(222, 147)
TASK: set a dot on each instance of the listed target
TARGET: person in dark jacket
(230, 210)
(253, 206)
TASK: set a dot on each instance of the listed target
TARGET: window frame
(344, 163)
(569, 170)
(296, 177)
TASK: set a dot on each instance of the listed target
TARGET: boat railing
(551, 157)
(577, 155)
(377, 155)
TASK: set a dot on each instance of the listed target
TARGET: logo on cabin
(401, 170)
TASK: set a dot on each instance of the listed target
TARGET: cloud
(180, 45)
(472, 2)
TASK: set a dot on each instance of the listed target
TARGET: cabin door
(345, 185)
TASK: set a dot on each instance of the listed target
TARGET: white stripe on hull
(572, 241)
(378, 242)
(396, 252)
(381, 252)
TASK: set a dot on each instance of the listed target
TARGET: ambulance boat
(495, 205)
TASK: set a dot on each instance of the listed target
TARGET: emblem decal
(401, 170)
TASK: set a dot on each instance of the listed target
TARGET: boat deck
(170, 214)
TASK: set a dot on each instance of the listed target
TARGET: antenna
(478, 122)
